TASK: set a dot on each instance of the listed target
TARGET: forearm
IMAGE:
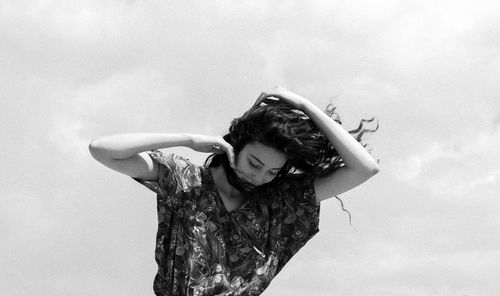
(354, 155)
(122, 146)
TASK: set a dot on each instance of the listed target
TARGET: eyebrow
(254, 157)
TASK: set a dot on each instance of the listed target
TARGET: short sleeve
(297, 219)
(301, 208)
(175, 174)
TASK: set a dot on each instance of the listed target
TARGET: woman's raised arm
(126, 153)
(359, 164)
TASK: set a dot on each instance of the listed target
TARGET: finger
(268, 96)
(259, 100)
(216, 149)
(277, 91)
(272, 101)
(275, 95)
(230, 155)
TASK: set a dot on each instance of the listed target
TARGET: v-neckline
(218, 195)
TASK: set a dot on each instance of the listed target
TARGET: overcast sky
(71, 71)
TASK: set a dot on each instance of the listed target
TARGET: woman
(229, 226)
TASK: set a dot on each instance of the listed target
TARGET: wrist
(307, 106)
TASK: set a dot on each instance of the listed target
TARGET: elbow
(369, 171)
(93, 145)
(96, 149)
(372, 170)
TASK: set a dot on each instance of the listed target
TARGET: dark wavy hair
(277, 124)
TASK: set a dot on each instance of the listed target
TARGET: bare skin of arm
(126, 153)
(359, 164)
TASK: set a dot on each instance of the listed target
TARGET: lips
(247, 185)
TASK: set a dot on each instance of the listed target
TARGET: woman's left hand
(281, 93)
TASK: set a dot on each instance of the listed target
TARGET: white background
(70, 71)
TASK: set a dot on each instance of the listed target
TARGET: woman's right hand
(283, 94)
(213, 144)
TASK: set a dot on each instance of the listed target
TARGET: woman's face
(258, 164)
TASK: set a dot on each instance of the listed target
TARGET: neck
(223, 184)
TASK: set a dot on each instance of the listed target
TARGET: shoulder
(172, 161)
(177, 169)
(297, 181)
(297, 188)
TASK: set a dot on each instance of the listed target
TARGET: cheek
(242, 165)
(242, 168)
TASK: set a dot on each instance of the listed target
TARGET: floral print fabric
(202, 249)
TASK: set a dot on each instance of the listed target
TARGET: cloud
(496, 121)
(453, 168)
(428, 70)
(80, 114)
(412, 167)
(68, 140)
(25, 219)
(391, 268)
(452, 186)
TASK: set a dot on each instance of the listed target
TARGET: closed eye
(258, 167)
(253, 165)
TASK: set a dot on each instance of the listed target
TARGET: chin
(248, 188)
(248, 184)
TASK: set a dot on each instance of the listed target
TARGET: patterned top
(202, 249)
